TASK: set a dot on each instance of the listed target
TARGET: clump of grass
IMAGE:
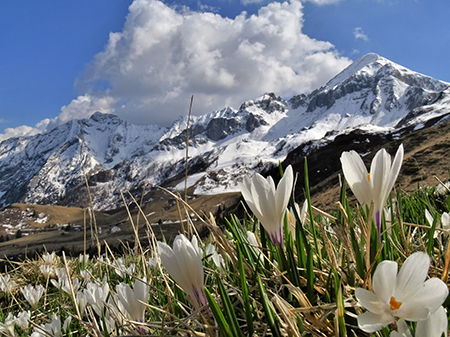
(305, 288)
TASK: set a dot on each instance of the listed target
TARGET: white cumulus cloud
(163, 56)
(24, 130)
(148, 71)
(358, 33)
(83, 107)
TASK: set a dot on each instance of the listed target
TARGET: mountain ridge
(372, 94)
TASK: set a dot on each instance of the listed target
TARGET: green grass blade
(310, 276)
(291, 263)
(245, 295)
(224, 328)
(228, 308)
(311, 217)
(272, 320)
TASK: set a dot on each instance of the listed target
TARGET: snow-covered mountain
(372, 94)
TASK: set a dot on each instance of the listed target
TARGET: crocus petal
(379, 170)
(402, 329)
(189, 257)
(197, 249)
(252, 239)
(355, 173)
(430, 296)
(266, 196)
(247, 193)
(284, 190)
(429, 217)
(394, 171)
(210, 249)
(445, 220)
(370, 322)
(412, 275)
(304, 212)
(384, 280)
(435, 325)
(370, 301)
(172, 266)
(141, 293)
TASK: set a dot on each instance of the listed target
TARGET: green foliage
(304, 288)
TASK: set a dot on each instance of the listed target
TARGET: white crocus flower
(216, 257)
(67, 323)
(134, 300)
(6, 284)
(61, 276)
(376, 185)
(120, 268)
(269, 203)
(153, 261)
(86, 274)
(7, 327)
(46, 270)
(83, 258)
(32, 294)
(52, 329)
(22, 319)
(65, 285)
(96, 295)
(405, 294)
(184, 264)
(48, 258)
(82, 301)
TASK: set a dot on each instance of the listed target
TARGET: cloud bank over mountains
(163, 55)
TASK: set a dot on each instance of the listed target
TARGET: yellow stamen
(394, 304)
(368, 176)
(290, 217)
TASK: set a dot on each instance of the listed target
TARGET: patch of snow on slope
(191, 180)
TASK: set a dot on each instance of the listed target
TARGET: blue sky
(143, 59)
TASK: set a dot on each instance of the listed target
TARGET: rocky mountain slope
(371, 95)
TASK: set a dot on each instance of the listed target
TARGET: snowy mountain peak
(367, 64)
(373, 94)
(375, 66)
